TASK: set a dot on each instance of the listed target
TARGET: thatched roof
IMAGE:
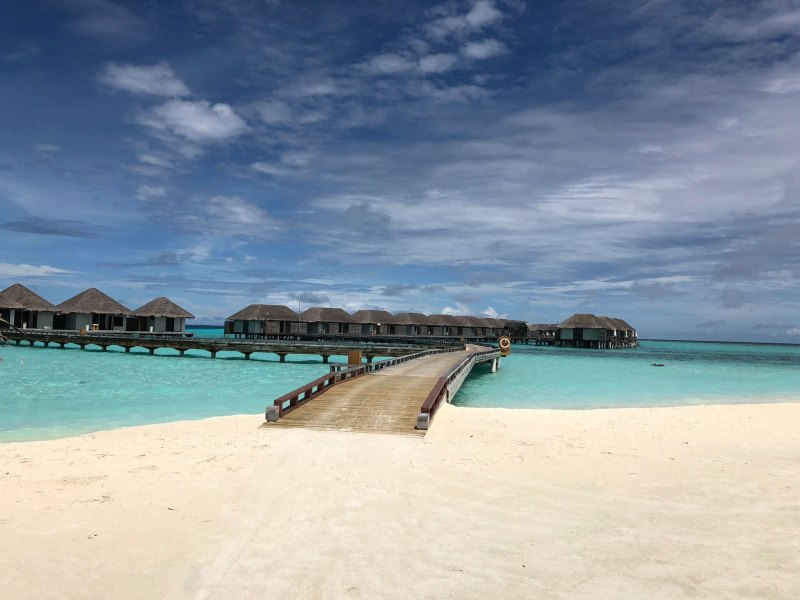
(624, 325)
(19, 297)
(264, 312)
(496, 323)
(440, 320)
(542, 326)
(374, 316)
(584, 321)
(478, 322)
(318, 314)
(409, 318)
(162, 307)
(92, 301)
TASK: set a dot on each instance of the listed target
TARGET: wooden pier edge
(449, 383)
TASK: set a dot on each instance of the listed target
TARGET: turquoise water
(49, 393)
(693, 373)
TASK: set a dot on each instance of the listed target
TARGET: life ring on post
(505, 345)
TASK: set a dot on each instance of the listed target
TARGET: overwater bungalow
(375, 322)
(435, 326)
(481, 327)
(410, 323)
(329, 320)
(542, 333)
(586, 330)
(159, 315)
(91, 309)
(261, 320)
(24, 308)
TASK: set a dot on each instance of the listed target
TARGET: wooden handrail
(434, 399)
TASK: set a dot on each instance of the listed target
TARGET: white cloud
(783, 85)
(269, 169)
(484, 49)
(155, 80)
(195, 121)
(793, 331)
(46, 148)
(482, 14)
(490, 312)
(436, 63)
(234, 215)
(149, 192)
(459, 309)
(387, 64)
(26, 270)
(274, 112)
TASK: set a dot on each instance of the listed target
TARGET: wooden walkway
(384, 402)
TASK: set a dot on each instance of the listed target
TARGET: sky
(528, 160)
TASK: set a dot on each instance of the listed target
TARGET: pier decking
(324, 347)
(389, 400)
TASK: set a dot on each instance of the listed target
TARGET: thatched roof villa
(411, 323)
(160, 315)
(259, 320)
(329, 320)
(22, 308)
(585, 330)
(92, 309)
(375, 322)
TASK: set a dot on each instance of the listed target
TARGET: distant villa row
(92, 309)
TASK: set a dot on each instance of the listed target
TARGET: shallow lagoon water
(693, 373)
(50, 393)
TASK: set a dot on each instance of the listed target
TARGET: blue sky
(530, 160)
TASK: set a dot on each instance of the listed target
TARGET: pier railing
(296, 398)
(440, 392)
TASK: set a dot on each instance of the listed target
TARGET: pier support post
(282, 356)
(423, 421)
(19, 342)
(325, 358)
(213, 353)
(181, 352)
(104, 348)
(83, 346)
(246, 355)
(127, 349)
(151, 351)
(495, 364)
(61, 344)
(273, 413)
(369, 359)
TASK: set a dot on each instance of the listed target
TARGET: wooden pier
(182, 343)
(399, 396)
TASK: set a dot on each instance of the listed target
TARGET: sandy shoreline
(691, 502)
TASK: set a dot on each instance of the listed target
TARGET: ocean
(49, 393)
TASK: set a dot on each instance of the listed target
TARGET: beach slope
(689, 502)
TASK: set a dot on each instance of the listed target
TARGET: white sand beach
(690, 502)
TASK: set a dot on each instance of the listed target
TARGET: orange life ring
(505, 343)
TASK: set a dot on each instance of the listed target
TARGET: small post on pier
(127, 349)
(282, 356)
(495, 364)
(325, 358)
(151, 351)
(246, 355)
